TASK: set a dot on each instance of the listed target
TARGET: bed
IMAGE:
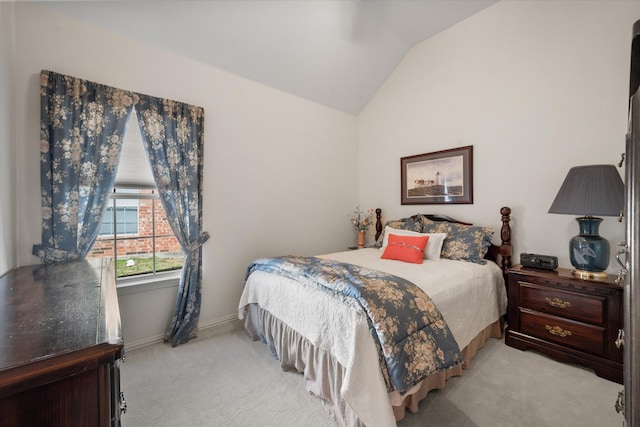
(331, 341)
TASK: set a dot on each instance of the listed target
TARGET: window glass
(136, 233)
(125, 220)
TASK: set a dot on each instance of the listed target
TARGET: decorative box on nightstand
(570, 319)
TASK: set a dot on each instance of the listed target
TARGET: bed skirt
(324, 375)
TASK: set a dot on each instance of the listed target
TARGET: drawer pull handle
(123, 404)
(620, 340)
(558, 303)
(557, 331)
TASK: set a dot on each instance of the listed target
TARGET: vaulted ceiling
(333, 52)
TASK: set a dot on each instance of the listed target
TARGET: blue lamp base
(588, 251)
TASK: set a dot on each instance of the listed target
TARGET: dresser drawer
(581, 336)
(572, 305)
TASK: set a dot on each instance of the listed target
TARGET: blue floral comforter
(412, 337)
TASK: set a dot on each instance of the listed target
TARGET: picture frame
(440, 177)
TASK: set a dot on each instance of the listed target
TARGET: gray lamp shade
(595, 190)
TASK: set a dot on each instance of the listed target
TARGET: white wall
(535, 87)
(280, 172)
(8, 259)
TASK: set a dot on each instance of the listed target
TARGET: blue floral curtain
(172, 133)
(81, 129)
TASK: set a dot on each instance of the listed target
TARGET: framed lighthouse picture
(441, 177)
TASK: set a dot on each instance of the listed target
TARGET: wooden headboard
(500, 254)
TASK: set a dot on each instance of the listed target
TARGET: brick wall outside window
(103, 246)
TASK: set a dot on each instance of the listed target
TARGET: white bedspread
(469, 296)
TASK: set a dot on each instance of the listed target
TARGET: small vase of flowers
(361, 221)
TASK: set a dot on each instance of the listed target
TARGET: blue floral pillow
(463, 242)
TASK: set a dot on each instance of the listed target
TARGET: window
(124, 218)
(135, 231)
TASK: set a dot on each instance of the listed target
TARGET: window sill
(148, 283)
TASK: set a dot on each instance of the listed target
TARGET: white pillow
(434, 244)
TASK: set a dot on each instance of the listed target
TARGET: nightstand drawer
(581, 336)
(586, 308)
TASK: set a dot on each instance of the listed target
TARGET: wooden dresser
(60, 345)
(572, 320)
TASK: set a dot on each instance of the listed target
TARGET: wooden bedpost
(505, 235)
(378, 223)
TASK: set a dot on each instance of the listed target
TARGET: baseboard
(130, 346)
(223, 321)
(217, 322)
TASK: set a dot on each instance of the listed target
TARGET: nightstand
(569, 319)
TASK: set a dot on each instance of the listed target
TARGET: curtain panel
(81, 133)
(172, 133)
(82, 125)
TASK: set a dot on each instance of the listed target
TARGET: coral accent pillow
(434, 245)
(405, 248)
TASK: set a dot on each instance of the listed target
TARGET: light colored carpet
(223, 378)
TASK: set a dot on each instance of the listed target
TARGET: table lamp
(591, 191)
